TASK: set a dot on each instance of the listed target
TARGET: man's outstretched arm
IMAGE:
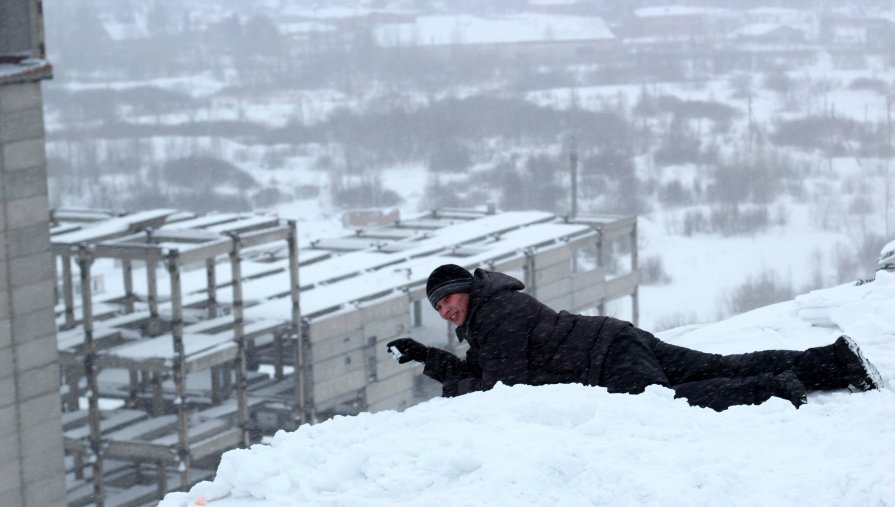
(456, 375)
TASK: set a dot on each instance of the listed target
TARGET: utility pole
(750, 132)
(573, 175)
(888, 126)
(888, 182)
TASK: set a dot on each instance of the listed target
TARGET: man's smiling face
(453, 308)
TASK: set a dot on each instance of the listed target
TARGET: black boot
(860, 374)
(788, 386)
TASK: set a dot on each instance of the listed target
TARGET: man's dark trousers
(637, 359)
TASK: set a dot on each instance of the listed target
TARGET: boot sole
(875, 378)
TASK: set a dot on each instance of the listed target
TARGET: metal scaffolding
(157, 240)
(225, 307)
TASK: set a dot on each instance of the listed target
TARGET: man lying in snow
(515, 339)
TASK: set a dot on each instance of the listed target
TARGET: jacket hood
(484, 285)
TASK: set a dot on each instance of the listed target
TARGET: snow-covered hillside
(570, 445)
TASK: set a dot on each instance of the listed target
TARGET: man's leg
(817, 368)
(722, 393)
(630, 365)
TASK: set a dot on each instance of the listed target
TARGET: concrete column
(211, 276)
(635, 297)
(302, 375)
(601, 307)
(95, 456)
(179, 370)
(31, 464)
(239, 338)
(68, 292)
(127, 271)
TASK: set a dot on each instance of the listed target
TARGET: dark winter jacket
(515, 339)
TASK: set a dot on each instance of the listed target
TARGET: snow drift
(572, 445)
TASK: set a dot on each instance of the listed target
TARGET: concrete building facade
(31, 455)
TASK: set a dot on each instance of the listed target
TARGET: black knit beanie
(446, 280)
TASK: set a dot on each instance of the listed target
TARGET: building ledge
(21, 68)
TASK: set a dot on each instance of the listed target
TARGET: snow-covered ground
(704, 270)
(570, 445)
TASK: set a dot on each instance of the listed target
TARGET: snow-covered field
(570, 445)
(706, 269)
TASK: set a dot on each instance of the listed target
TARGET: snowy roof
(783, 16)
(776, 11)
(16, 70)
(527, 446)
(328, 12)
(114, 227)
(338, 282)
(761, 29)
(552, 2)
(383, 273)
(463, 29)
(887, 250)
(330, 281)
(334, 13)
(306, 27)
(668, 10)
(887, 257)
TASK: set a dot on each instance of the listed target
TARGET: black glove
(449, 387)
(410, 349)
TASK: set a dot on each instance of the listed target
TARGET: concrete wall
(21, 27)
(349, 361)
(31, 457)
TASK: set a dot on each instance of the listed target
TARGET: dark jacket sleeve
(503, 338)
(456, 375)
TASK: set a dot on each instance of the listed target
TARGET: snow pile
(853, 306)
(573, 445)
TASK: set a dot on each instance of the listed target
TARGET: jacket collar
(484, 285)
